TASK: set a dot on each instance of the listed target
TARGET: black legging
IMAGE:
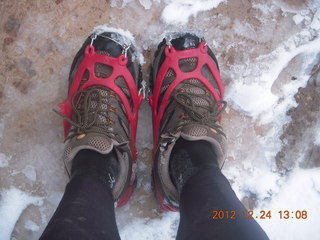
(86, 210)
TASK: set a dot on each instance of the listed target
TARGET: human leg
(86, 210)
(100, 121)
(207, 191)
(190, 144)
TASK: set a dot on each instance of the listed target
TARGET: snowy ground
(269, 55)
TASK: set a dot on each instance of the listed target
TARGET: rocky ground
(38, 40)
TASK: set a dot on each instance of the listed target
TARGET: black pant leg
(86, 210)
(207, 191)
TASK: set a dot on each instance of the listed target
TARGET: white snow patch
(13, 202)
(245, 180)
(32, 226)
(297, 19)
(301, 192)
(152, 228)
(115, 3)
(264, 8)
(146, 3)
(315, 24)
(178, 12)
(254, 96)
(4, 160)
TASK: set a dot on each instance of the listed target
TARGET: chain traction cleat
(120, 69)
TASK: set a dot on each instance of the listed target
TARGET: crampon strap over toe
(119, 69)
(173, 57)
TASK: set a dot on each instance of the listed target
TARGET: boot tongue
(196, 132)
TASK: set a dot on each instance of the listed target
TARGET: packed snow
(255, 55)
(13, 203)
(179, 11)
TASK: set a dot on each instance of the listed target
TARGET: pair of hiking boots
(101, 111)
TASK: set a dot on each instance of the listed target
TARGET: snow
(298, 18)
(253, 94)
(32, 226)
(13, 203)
(178, 12)
(146, 3)
(304, 183)
(257, 93)
(315, 24)
(151, 228)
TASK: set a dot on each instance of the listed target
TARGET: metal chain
(124, 47)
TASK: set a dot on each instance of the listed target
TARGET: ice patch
(178, 12)
(115, 3)
(13, 202)
(55, 197)
(30, 173)
(1, 128)
(4, 160)
(317, 134)
(144, 132)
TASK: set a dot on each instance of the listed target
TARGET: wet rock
(22, 85)
(299, 147)
(8, 67)
(250, 202)
(12, 26)
(24, 65)
(7, 41)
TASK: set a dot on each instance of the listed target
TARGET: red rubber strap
(172, 61)
(91, 58)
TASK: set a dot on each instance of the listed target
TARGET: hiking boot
(186, 102)
(101, 110)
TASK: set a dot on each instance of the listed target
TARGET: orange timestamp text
(263, 214)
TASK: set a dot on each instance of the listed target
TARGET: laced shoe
(101, 110)
(186, 102)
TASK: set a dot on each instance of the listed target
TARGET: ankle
(188, 158)
(103, 167)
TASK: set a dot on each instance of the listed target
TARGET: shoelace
(209, 117)
(86, 116)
